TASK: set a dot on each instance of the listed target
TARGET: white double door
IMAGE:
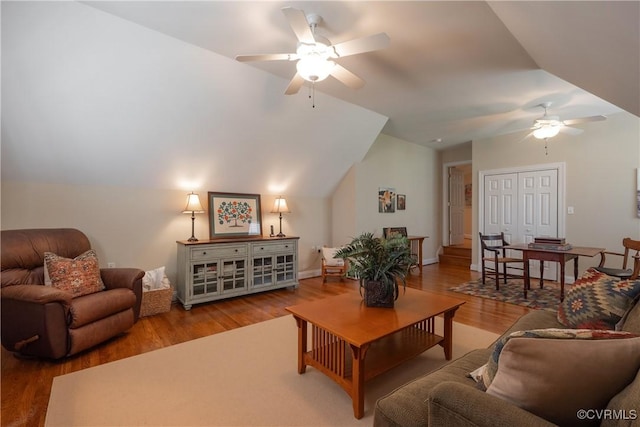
(523, 205)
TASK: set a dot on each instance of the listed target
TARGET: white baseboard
(316, 273)
(309, 273)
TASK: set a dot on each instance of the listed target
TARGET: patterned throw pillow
(78, 276)
(597, 301)
(554, 373)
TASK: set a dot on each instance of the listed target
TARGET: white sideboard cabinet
(209, 270)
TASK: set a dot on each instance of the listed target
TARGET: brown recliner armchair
(44, 321)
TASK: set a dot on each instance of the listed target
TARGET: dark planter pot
(378, 295)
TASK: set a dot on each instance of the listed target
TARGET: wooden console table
(345, 331)
(416, 247)
(560, 257)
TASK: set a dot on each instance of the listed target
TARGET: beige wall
(136, 227)
(601, 166)
(410, 169)
(343, 210)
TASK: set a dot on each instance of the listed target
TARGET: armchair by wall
(51, 321)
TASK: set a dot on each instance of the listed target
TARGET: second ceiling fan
(315, 54)
(549, 126)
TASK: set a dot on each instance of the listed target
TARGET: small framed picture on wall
(402, 202)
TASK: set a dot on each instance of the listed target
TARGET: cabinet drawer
(218, 252)
(272, 248)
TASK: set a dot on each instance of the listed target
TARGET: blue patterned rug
(539, 299)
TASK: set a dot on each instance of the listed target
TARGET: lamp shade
(546, 131)
(280, 206)
(193, 204)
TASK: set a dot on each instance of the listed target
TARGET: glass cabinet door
(204, 278)
(262, 271)
(285, 268)
(233, 275)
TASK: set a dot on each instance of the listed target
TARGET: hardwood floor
(26, 384)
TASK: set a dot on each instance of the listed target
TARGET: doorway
(458, 223)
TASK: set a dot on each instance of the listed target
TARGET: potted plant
(380, 264)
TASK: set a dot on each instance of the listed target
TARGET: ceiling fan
(315, 54)
(549, 126)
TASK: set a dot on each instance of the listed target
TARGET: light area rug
(244, 377)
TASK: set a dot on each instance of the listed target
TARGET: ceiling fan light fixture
(546, 131)
(314, 68)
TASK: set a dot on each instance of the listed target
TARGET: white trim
(309, 273)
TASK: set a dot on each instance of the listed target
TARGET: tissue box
(156, 301)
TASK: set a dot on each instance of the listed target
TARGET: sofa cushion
(630, 322)
(597, 301)
(89, 308)
(407, 404)
(559, 380)
(626, 404)
(78, 276)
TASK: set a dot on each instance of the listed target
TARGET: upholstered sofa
(53, 322)
(450, 397)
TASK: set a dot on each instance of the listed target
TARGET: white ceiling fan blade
(267, 57)
(346, 77)
(299, 25)
(294, 86)
(527, 136)
(362, 45)
(571, 131)
(584, 120)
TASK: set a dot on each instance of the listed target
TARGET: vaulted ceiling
(454, 71)
(148, 94)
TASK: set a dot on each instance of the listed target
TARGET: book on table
(550, 240)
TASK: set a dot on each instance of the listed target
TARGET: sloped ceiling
(92, 99)
(458, 71)
(148, 93)
(594, 45)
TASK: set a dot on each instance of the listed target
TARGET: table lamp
(193, 207)
(280, 206)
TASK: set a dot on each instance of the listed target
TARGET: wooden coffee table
(344, 332)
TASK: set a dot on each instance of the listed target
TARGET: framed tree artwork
(234, 215)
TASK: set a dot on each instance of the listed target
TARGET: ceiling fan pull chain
(546, 150)
(313, 93)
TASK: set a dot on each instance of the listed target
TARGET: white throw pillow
(329, 257)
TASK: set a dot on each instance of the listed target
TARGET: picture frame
(234, 215)
(401, 202)
(388, 232)
(386, 200)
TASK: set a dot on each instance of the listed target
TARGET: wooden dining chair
(624, 272)
(494, 249)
